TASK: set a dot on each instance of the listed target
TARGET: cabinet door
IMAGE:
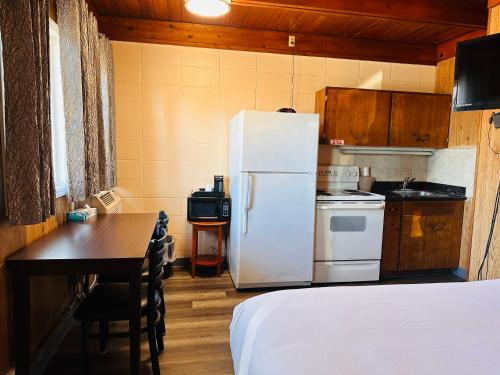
(430, 235)
(320, 108)
(420, 120)
(390, 242)
(359, 117)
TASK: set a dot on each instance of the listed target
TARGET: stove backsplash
(383, 167)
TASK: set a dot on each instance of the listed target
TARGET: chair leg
(85, 348)
(103, 335)
(163, 310)
(153, 350)
(159, 337)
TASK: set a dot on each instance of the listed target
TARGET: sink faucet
(407, 181)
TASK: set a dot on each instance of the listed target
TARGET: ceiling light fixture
(208, 8)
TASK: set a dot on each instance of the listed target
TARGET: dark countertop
(447, 192)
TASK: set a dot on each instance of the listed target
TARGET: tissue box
(81, 214)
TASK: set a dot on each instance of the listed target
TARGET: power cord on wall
(494, 124)
(485, 260)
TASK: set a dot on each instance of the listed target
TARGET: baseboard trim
(182, 262)
(49, 347)
(186, 262)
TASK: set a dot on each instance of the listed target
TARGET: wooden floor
(197, 342)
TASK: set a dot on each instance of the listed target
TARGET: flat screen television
(477, 74)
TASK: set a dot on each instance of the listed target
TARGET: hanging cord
(293, 78)
(490, 237)
(494, 124)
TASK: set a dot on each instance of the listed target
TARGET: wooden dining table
(114, 243)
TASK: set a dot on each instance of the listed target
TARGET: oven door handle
(347, 206)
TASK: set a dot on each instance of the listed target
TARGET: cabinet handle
(358, 138)
(437, 227)
(422, 138)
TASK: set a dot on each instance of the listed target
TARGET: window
(57, 114)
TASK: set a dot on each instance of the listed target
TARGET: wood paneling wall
(487, 179)
(464, 126)
(464, 132)
(247, 39)
(50, 295)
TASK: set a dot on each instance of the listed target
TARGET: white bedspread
(451, 328)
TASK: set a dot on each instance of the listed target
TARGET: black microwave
(209, 209)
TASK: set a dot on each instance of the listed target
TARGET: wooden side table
(207, 260)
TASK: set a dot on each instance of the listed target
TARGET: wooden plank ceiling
(395, 27)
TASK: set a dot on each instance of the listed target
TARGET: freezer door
(277, 228)
(279, 142)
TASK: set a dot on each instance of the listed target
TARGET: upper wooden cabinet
(383, 118)
(420, 120)
(359, 117)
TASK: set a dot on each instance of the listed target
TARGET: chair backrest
(156, 254)
(162, 216)
(162, 222)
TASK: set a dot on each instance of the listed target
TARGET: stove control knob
(335, 173)
(354, 174)
(348, 174)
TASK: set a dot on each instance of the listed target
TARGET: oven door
(349, 230)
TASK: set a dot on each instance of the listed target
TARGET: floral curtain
(29, 187)
(106, 113)
(88, 86)
(68, 21)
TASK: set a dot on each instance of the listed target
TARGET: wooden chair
(123, 278)
(163, 220)
(109, 302)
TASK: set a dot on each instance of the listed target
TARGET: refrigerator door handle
(249, 191)
(246, 188)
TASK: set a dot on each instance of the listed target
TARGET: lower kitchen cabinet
(431, 233)
(390, 241)
(421, 235)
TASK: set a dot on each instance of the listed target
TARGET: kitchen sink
(418, 193)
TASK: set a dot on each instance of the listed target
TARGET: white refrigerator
(272, 184)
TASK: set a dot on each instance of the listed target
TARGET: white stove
(349, 226)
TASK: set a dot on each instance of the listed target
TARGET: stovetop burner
(323, 192)
(357, 192)
(343, 192)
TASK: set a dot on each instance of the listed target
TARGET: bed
(449, 328)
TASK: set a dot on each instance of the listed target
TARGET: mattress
(449, 328)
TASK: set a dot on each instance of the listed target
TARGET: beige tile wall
(383, 167)
(174, 105)
(454, 166)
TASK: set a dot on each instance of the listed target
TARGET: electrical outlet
(291, 41)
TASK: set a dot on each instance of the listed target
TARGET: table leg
(22, 334)
(135, 318)
(194, 251)
(219, 249)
